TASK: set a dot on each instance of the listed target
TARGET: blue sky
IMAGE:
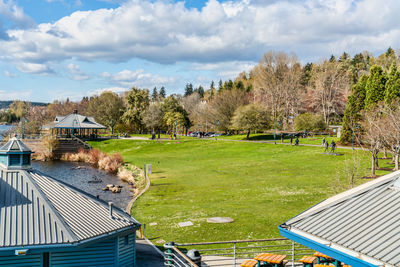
(58, 49)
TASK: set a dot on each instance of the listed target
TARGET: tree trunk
(376, 161)
(373, 165)
(396, 162)
(248, 134)
(385, 153)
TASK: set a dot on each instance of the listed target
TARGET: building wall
(30, 260)
(126, 250)
(119, 252)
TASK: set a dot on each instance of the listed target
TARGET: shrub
(310, 123)
(94, 156)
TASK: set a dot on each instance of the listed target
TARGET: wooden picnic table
(308, 261)
(322, 258)
(249, 263)
(271, 259)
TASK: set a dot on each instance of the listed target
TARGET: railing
(86, 145)
(232, 253)
(176, 258)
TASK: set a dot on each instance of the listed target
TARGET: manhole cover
(220, 220)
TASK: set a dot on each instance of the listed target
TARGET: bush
(310, 123)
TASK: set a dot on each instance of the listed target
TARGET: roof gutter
(332, 251)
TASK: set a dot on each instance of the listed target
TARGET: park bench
(308, 261)
(249, 263)
(271, 260)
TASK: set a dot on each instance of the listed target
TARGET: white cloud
(117, 90)
(138, 78)
(225, 70)
(33, 68)
(13, 94)
(76, 72)
(10, 74)
(167, 32)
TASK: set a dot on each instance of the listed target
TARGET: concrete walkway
(147, 255)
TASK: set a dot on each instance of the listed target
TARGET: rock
(105, 189)
(110, 186)
(185, 224)
(220, 220)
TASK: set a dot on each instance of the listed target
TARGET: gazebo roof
(74, 121)
(14, 145)
(360, 227)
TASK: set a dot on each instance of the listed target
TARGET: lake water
(88, 179)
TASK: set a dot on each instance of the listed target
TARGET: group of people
(327, 146)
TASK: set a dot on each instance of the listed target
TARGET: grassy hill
(258, 185)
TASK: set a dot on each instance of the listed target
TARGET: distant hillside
(6, 104)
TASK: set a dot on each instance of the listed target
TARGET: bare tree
(328, 90)
(277, 85)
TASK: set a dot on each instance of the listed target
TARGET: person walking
(297, 141)
(291, 140)
(326, 146)
(333, 144)
(323, 141)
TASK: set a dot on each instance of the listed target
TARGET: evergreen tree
(162, 93)
(355, 104)
(212, 86)
(200, 91)
(392, 85)
(331, 59)
(188, 89)
(375, 86)
(344, 57)
(239, 85)
(154, 95)
(220, 86)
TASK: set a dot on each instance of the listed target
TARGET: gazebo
(74, 125)
(359, 227)
(45, 222)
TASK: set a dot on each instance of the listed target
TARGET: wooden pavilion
(74, 125)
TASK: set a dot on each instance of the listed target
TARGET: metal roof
(75, 121)
(14, 145)
(364, 221)
(36, 209)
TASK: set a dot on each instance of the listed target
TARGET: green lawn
(258, 185)
(315, 140)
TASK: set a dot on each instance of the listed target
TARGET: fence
(232, 253)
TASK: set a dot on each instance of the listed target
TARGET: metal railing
(176, 258)
(232, 253)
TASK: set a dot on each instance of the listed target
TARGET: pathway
(147, 255)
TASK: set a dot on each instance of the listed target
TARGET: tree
(224, 105)
(375, 86)
(328, 90)
(251, 117)
(354, 106)
(162, 93)
(188, 90)
(20, 108)
(200, 91)
(220, 86)
(310, 123)
(392, 86)
(389, 129)
(154, 117)
(171, 106)
(154, 95)
(137, 101)
(107, 109)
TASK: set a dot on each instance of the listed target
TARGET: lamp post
(176, 130)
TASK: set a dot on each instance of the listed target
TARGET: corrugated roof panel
(78, 121)
(367, 223)
(86, 216)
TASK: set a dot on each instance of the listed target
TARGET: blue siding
(3, 159)
(99, 254)
(126, 250)
(29, 260)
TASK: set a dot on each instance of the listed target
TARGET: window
(26, 160)
(46, 259)
(126, 240)
(15, 160)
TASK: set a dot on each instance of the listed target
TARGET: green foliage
(392, 92)
(20, 108)
(375, 86)
(137, 101)
(188, 89)
(154, 95)
(172, 107)
(355, 104)
(251, 117)
(163, 93)
(310, 123)
(107, 108)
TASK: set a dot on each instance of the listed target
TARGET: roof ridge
(348, 194)
(72, 236)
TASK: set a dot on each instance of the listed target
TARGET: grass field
(258, 185)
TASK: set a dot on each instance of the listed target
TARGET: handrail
(228, 242)
(170, 258)
(82, 142)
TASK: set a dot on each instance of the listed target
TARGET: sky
(58, 49)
